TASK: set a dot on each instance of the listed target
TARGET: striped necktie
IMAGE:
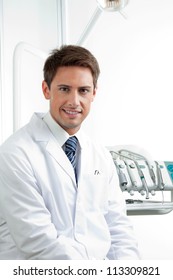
(70, 149)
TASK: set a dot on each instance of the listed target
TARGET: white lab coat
(44, 215)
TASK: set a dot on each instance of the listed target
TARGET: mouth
(71, 112)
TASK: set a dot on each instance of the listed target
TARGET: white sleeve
(26, 215)
(123, 241)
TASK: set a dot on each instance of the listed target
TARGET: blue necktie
(70, 149)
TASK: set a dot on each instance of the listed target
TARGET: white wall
(133, 105)
(33, 22)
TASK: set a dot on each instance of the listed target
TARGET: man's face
(70, 94)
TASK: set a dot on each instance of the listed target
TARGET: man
(61, 199)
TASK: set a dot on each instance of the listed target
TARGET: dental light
(112, 5)
(102, 5)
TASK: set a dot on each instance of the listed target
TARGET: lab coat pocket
(95, 190)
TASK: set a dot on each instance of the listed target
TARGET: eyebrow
(63, 85)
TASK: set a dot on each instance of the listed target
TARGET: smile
(71, 112)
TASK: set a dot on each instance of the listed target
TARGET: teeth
(71, 112)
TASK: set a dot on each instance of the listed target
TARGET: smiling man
(60, 195)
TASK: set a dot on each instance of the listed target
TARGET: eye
(84, 90)
(63, 89)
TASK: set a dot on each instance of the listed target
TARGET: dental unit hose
(150, 167)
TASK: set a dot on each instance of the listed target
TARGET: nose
(74, 98)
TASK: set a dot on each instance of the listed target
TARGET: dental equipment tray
(141, 179)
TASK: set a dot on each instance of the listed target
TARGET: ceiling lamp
(102, 5)
(112, 5)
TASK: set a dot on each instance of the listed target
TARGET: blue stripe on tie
(70, 149)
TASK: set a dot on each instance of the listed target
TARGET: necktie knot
(70, 149)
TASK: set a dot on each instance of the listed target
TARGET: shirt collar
(59, 133)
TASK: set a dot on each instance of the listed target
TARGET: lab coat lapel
(42, 134)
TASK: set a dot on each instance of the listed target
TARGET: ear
(45, 90)
(94, 94)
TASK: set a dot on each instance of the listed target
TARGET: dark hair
(70, 55)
